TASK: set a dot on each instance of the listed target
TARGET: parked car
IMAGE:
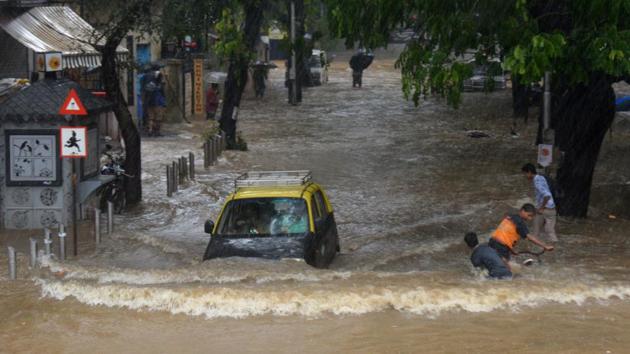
(275, 214)
(489, 76)
(318, 67)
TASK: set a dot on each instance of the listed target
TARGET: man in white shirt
(545, 219)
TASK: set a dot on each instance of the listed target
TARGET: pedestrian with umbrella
(359, 62)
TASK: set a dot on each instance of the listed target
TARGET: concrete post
(205, 155)
(175, 177)
(12, 264)
(47, 241)
(62, 242)
(33, 243)
(213, 151)
(110, 217)
(97, 225)
(169, 187)
(191, 159)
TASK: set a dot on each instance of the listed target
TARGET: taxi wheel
(322, 254)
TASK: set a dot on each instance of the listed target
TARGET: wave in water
(213, 302)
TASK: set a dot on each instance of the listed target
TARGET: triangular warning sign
(73, 105)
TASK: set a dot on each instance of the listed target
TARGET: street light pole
(292, 71)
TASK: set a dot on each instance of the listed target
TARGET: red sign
(72, 105)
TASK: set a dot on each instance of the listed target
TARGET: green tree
(239, 29)
(584, 43)
(113, 22)
(190, 17)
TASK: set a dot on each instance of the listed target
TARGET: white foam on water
(213, 302)
(198, 274)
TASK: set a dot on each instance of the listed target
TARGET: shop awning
(57, 29)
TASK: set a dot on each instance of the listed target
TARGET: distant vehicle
(318, 67)
(275, 214)
(481, 80)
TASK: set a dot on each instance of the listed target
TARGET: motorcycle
(114, 191)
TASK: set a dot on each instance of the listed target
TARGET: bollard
(97, 225)
(169, 189)
(12, 264)
(191, 165)
(182, 169)
(174, 172)
(47, 241)
(62, 242)
(223, 141)
(206, 162)
(110, 217)
(185, 168)
(180, 164)
(33, 252)
(213, 151)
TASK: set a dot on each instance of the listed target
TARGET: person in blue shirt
(545, 219)
(484, 256)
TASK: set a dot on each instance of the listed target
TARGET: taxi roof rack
(273, 178)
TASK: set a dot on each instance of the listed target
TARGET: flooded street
(406, 183)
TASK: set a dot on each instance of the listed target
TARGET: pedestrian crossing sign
(73, 141)
(72, 105)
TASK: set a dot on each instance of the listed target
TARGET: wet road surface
(406, 184)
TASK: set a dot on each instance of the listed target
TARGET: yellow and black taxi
(275, 214)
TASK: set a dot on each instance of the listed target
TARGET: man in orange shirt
(511, 230)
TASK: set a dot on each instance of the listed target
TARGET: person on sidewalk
(545, 219)
(484, 256)
(212, 101)
(157, 104)
(513, 228)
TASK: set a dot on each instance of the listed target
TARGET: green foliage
(188, 17)
(232, 44)
(210, 130)
(572, 38)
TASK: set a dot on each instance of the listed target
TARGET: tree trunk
(133, 161)
(300, 30)
(584, 114)
(237, 71)
(300, 79)
(520, 99)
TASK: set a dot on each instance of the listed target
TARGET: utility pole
(292, 71)
(547, 107)
(545, 150)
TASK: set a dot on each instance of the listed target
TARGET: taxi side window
(321, 203)
(317, 209)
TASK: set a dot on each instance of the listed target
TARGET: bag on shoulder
(553, 188)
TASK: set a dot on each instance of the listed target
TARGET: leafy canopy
(573, 39)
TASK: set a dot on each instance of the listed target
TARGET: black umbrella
(360, 61)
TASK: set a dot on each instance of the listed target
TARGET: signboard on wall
(545, 155)
(188, 94)
(73, 141)
(48, 62)
(32, 158)
(198, 82)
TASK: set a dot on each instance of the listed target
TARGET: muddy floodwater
(406, 183)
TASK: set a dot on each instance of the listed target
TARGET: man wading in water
(511, 229)
(484, 256)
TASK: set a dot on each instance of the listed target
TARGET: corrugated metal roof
(56, 29)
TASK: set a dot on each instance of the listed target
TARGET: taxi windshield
(264, 217)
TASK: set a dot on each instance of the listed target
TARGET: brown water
(406, 184)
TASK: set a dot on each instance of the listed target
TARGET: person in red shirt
(212, 101)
